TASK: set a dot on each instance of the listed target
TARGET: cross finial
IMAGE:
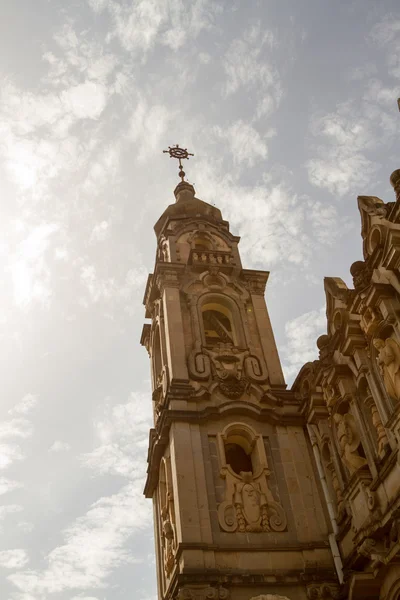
(180, 154)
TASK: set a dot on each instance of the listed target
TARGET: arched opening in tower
(238, 459)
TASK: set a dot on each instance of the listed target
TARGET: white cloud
(386, 34)
(9, 509)
(28, 402)
(140, 24)
(245, 143)
(21, 428)
(94, 545)
(59, 446)
(274, 223)
(13, 559)
(29, 270)
(301, 337)
(248, 65)
(7, 485)
(346, 138)
(86, 100)
(118, 450)
(342, 165)
(100, 232)
(9, 453)
(108, 288)
(148, 125)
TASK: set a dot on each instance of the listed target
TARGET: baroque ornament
(349, 441)
(228, 365)
(388, 359)
(249, 506)
(167, 514)
(201, 593)
(326, 590)
(269, 597)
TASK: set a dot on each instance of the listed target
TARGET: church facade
(259, 492)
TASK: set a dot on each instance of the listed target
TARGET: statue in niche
(349, 441)
(388, 360)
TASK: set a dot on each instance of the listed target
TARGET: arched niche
(240, 445)
(220, 321)
(249, 505)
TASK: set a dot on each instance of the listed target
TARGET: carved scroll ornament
(249, 506)
(227, 367)
(227, 362)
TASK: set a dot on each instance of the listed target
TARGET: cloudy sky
(290, 109)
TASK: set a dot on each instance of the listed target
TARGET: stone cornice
(255, 281)
(159, 437)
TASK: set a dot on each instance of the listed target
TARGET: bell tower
(238, 511)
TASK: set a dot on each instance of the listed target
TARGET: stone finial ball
(322, 341)
(357, 267)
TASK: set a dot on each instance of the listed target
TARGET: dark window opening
(201, 246)
(238, 459)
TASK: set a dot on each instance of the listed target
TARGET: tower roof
(186, 206)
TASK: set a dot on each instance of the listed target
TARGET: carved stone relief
(167, 514)
(269, 597)
(227, 364)
(203, 593)
(335, 484)
(388, 360)
(228, 368)
(349, 442)
(382, 439)
(249, 505)
(325, 590)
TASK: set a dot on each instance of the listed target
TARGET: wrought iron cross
(180, 154)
